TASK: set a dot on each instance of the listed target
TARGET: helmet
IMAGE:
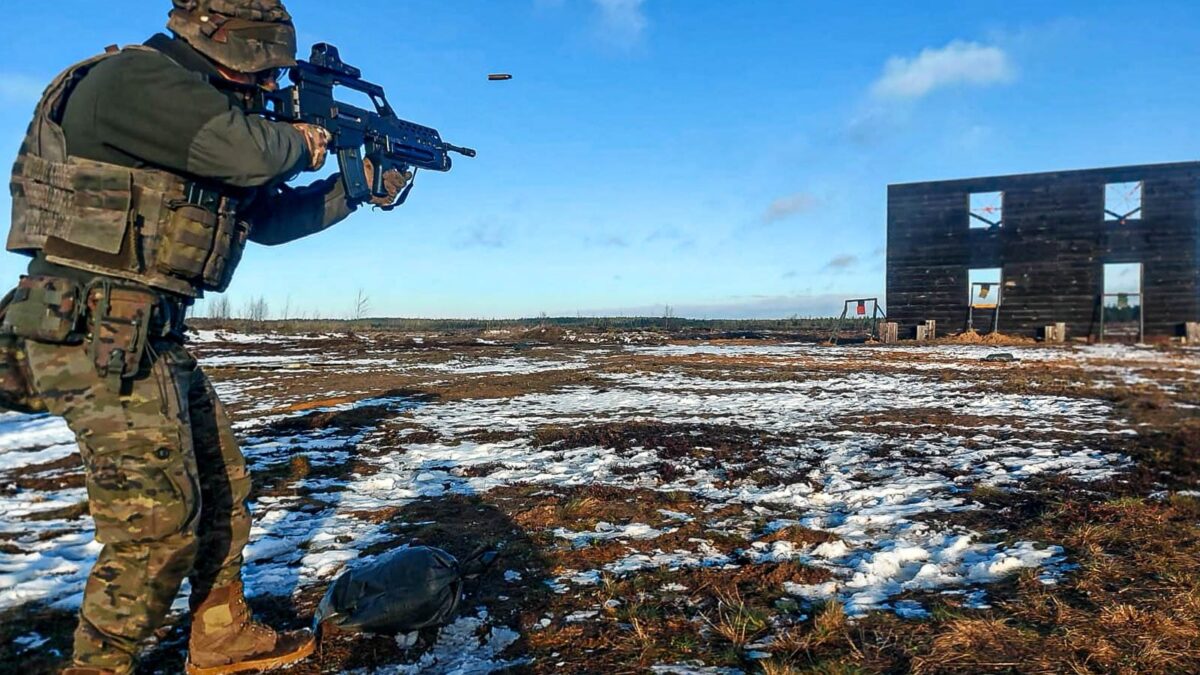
(244, 35)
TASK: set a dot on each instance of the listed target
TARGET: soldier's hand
(317, 139)
(393, 182)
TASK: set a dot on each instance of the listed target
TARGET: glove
(317, 140)
(393, 183)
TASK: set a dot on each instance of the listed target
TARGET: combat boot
(225, 639)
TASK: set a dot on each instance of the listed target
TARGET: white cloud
(958, 63)
(841, 262)
(975, 138)
(622, 23)
(786, 207)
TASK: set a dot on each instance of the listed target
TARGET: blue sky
(726, 159)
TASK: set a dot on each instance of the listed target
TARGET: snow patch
(460, 650)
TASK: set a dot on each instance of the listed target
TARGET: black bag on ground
(408, 589)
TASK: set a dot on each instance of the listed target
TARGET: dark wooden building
(1066, 246)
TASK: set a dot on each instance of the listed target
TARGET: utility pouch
(202, 239)
(16, 391)
(45, 309)
(228, 245)
(186, 241)
(118, 329)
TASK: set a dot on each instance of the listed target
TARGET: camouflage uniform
(136, 189)
(165, 478)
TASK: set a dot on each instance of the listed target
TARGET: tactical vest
(143, 225)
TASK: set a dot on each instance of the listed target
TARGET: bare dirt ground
(687, 507)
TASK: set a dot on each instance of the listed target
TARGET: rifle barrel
(467, 152)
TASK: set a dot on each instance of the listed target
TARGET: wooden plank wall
(1052, 248)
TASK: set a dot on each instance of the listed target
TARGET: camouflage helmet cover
(245, 35)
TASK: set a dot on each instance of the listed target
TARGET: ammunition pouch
(119, 322)
(141, 225)
(201, 238)
(16, 390)
(45, 309)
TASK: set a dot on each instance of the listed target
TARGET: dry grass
(773, 667)
(1131, 606)
(736, 621)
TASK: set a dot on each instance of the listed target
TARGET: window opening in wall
(985, 286)
(984, 297)
(1121, 302)
(987, 209)
(1123, 202)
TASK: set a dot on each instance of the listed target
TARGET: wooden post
(1056, 332)
(889, 332)
(1191, 330)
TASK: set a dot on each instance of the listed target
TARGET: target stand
(1121, 317)
(860, 312)
(985, 296)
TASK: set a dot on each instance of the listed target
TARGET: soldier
(139, 183)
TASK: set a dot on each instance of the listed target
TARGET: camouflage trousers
(166, 487)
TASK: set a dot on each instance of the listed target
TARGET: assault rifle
(380, 136)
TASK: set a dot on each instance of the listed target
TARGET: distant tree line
(255, 314)
(251, 318)
(219, 308)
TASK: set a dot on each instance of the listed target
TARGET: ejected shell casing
(496, 77)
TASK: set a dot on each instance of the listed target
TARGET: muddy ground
(690, 506)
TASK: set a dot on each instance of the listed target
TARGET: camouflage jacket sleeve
(291, 213)
(142, 108)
